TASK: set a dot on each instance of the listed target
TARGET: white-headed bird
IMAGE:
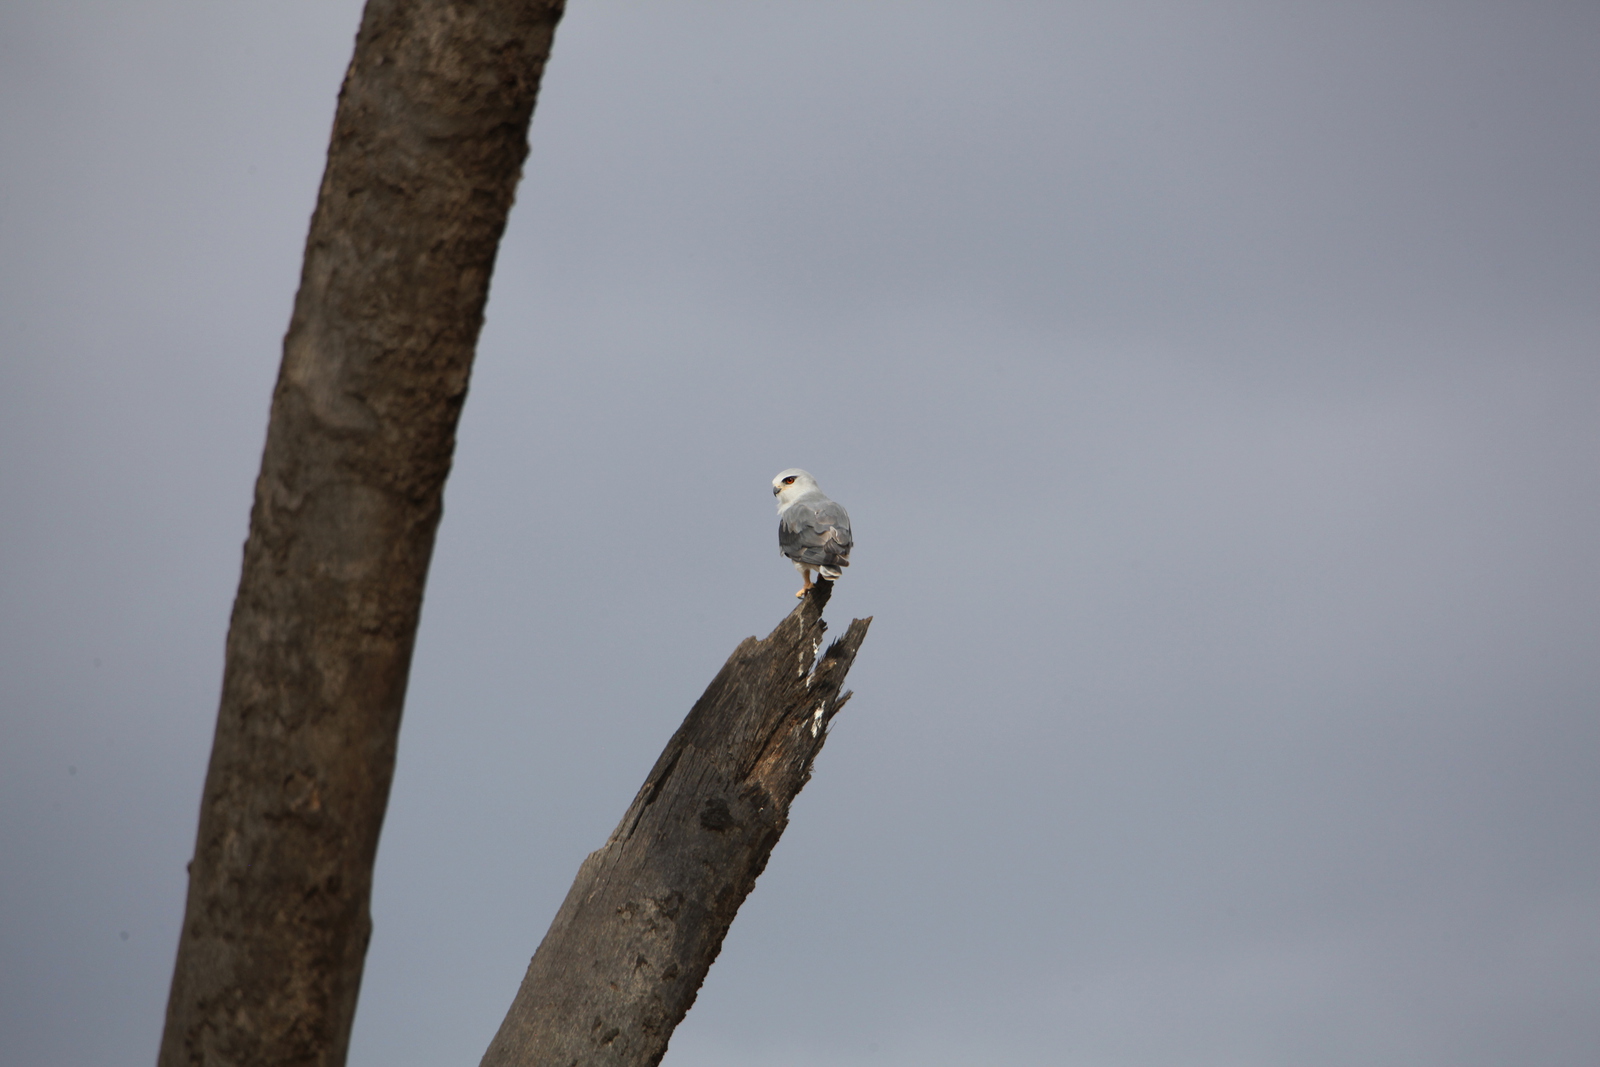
(813, 531)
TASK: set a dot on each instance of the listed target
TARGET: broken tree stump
(646, 915)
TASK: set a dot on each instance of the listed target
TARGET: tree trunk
(646, 916)
(427, 147)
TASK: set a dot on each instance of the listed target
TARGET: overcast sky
(1215, 389)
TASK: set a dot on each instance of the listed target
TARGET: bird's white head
(791, 485)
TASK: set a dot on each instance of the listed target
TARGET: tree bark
(645, 918)
(427, 146)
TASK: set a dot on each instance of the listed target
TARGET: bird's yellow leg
(805, 577)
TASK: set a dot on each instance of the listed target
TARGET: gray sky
(1213, 388)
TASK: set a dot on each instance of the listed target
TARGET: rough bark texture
(646, 916)
(427, 147)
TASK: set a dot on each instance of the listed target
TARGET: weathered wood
(645, 918)
(427, 146)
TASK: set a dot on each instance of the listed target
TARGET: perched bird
(812, 530)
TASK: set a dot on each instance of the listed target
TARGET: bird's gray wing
(815, 532)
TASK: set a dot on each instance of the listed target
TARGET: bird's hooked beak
(776, 490)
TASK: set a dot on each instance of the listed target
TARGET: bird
(813, 531)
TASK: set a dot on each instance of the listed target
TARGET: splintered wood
(645, 918)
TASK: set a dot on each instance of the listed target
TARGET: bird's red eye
(789, 480)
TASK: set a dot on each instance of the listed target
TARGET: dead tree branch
(646, 916)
